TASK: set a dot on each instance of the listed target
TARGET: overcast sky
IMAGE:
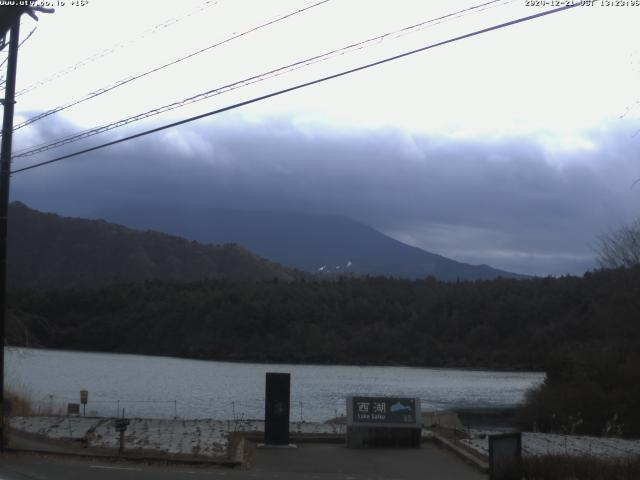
(515, 148)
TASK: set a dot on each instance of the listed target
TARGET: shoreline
(285, 364)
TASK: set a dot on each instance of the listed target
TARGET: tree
(621, 247)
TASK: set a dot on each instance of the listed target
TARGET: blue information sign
(384, 410)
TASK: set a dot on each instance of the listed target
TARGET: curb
(258, 437)
(130, 458)
(468, 457)
(237, 459)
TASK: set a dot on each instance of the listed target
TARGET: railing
(217, 408)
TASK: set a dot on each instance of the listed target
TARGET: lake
(161, 387)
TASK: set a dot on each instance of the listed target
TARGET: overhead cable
(139, 75)
(299, 86)
(2, 80)
(118, 46)
(33, 150)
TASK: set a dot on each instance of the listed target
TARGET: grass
(560, 467)
(21, 404)
(17, 404)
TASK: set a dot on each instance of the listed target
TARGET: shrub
(17, 404)
(555, 467)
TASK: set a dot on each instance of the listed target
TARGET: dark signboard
(73, 408)
(505, 452)
(276, 414)
(384, 410)
(121, 424)
(84, 396)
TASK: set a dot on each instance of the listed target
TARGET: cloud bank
(532, 204)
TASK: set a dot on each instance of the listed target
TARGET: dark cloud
(510, 202)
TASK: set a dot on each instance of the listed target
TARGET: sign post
(121, 426)
(84, 397)
(73, 409)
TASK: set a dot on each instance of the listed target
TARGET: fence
(217, 408)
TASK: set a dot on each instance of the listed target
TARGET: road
(308, 462)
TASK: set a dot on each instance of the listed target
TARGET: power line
(103, 53)
(137, 76)
(2, 80)
(300, 86)
(26, 38)
(33, 150)
(20, 44)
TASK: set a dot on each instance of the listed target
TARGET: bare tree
(621, 247)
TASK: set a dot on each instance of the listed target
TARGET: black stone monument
(276, 409)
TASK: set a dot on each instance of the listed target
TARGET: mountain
(46, 250)
(310, 242)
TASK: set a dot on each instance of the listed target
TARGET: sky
(516, 148)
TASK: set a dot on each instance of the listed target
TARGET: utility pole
(5, 169)
(10, 21)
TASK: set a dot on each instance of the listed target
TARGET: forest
(584, 332)
(48, 251)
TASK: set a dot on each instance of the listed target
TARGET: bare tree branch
(621, 247)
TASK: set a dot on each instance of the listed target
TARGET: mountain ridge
(305, 241)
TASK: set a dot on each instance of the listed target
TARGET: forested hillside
(49, 251)
(584, 332)
(500, 323)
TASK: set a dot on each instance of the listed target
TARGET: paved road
(321, 461)
(308, 462)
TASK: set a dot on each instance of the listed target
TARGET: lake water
(161, 387)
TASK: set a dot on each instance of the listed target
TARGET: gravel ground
(203, 437)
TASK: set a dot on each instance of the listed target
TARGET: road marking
(108, 467)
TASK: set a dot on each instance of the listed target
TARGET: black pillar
(276, 409)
